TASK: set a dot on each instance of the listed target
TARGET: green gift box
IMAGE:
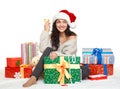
(62, 70)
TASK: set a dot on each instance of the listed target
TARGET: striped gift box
(88, 58)
(28, 51)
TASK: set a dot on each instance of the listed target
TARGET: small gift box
(14, 61)
(62, 70)
(10, 71)
(97, 77)
(106, 69)
(25, 70)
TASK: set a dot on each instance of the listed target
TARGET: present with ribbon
(106, 69)
(62, 70)
(14, 61)
(25, 70)
(97, 56)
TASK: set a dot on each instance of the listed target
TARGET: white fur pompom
(73, 25)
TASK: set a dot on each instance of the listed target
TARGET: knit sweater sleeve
(44, 41)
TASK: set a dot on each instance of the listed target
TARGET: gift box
(106, 69)
(10, 71)
(28, 51)
(97, 77)
(97, 56)
(62, 70)
(14, 61)
(25, 70)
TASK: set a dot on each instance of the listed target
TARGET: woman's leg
(38, 69)
(85, 72)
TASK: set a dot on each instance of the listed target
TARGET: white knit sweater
(67, 48)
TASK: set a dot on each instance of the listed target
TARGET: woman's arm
(44, 41)
(45, 37)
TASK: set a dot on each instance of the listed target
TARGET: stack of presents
(15, 68)
(19, 67)
(100, 62)
(66, 69)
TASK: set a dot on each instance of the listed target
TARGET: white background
(98, 23)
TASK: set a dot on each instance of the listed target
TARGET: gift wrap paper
(10, 71)
(100, 69)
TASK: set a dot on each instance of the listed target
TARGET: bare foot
(30, 82)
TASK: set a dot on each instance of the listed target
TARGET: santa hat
(68, 16)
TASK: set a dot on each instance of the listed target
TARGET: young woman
(61, 41)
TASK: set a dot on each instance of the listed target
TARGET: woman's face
(61, 25)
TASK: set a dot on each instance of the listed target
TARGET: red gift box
(10, 71)
(97, 77)
(99, 69)
(25, 70)
(14, 61)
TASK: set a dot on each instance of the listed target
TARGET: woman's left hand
(53, 55)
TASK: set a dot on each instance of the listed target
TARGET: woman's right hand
(46, 25)
(53, 55)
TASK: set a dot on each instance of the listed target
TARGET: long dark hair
(55, 36)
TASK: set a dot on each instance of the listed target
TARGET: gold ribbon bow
(61, 68)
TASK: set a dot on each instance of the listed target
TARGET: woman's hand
(46, 25)
(53, 55)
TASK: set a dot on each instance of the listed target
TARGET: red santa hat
(68, 16)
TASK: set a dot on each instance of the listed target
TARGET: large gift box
(97, 56)
(62, 70)
(13, 61)
(106, 69)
